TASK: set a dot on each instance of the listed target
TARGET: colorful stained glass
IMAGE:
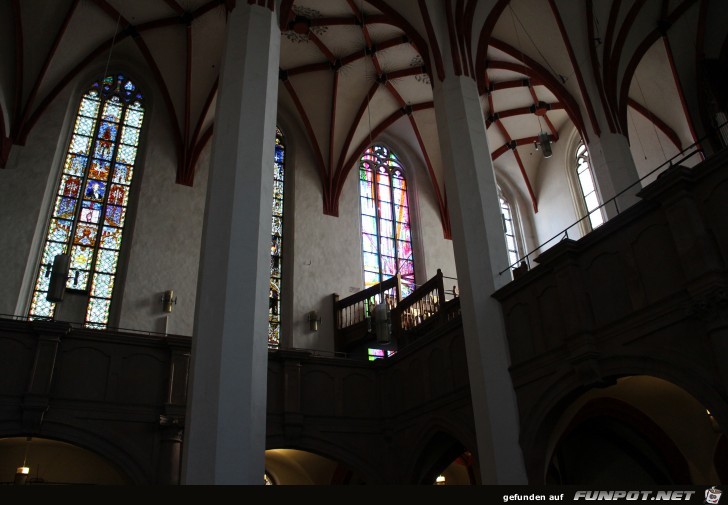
(112, 110)
(89, 107)
(81, 258)
(84, 126)
(115, 216)
(40, 307)
(111, 238)
(276, 249)
(95, 190)
(370, 243)
(50, 252)
(90, 212)
(371, 278)
(386, 246)
(106, 261)
(118, 195)
(386, 237)
(44, 280)
(134, 116)
(126, 154)
(371, 261)
(130, 136)
(78, 280)
(70, 186)
(368, 224)
(85, 234)
(367, 207)
(102, 285)
(80, 144)
(97, 312)
(77, 227)
(122, 173)
(65, 207)
(59, 230)
(99, 170)
(75, 164)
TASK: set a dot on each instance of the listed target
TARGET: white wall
(165, 246)
(556, 209)
(26, 185)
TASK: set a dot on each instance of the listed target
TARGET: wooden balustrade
(351, 313)
(410, 317)
(418, 308)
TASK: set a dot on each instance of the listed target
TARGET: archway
(444, 461)
(628, 433)
(54, 462)
(296, 467)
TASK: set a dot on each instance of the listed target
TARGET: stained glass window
(90, 204)
(508, 230)
(276, 258)
(373, 354)
(588, 188)
(385, 219)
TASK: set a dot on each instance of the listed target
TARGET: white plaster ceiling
(179, 45)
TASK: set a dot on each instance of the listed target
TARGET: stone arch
(554, 397)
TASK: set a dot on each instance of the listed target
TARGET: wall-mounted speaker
(59, 276)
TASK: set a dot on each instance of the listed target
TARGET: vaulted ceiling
(354, 69)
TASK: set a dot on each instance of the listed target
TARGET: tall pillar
(226, 413)
(480, 256)
(614, 170)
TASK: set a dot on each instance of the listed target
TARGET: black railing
(683, 155)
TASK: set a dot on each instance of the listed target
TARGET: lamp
(21, 473)
(440, 480)
(544, 143)
(313, 320)
(168, 299)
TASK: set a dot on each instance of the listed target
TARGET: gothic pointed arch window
(91, 200)
(509, 229)
(385, 219)
(276, 248)
(590, 198)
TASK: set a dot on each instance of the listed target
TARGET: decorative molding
(305, 15)
(423, 78)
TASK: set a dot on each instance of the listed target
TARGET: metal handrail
(564, 234)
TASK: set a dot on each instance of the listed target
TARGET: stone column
(37, 397)
(614, 170)
(226, 414)
(480, 256)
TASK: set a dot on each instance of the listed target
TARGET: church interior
(363, 242)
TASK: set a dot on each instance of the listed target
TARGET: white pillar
(480, 254)
(614, 170)
(226, 412)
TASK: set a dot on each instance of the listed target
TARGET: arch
(641, 442)
(116, 454)
(440, 451)
(86, 226)
(538, 426)
(50, 461)
(366, 471)
(588, 200)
